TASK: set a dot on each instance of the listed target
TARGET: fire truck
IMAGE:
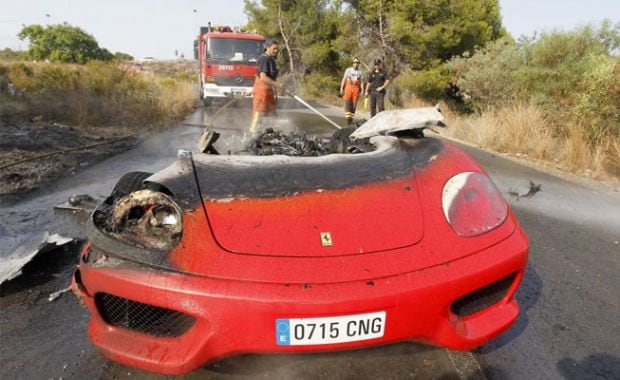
(227, 60)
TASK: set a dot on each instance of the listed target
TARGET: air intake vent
(137, 316)
(483, 297)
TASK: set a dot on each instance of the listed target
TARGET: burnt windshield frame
(227, 51)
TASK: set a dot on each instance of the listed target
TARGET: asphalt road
(570, 296)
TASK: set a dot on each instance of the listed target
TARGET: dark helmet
(377, 61)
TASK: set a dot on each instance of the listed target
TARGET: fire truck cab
(227, 61)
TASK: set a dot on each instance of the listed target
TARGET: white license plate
(329, 330)
(238, 92)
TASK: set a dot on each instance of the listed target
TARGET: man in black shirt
(265, 83)
(375, 87)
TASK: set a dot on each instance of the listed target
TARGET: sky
(158, 28)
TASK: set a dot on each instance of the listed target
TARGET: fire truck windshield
(231, 50)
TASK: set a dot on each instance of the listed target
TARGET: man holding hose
(265, 83)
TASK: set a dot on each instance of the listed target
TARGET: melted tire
(130, 182)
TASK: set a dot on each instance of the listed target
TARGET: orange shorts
(264, 98)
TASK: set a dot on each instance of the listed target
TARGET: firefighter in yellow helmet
(351, 88)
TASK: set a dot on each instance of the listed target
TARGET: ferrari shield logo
(326, 239)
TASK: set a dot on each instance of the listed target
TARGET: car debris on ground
(534, 188)
(79, 202)
(53, 296)
(11, 266)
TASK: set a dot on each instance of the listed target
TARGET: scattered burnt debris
(78, 202)
(147, 218)
(534, 188)
(55, 295)
(206, 141)
(272, 142)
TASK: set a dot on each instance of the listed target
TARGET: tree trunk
(381, 33)
(286, 40)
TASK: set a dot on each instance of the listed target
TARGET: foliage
(120, 56)
(571, 75)
(319, 86)
(97, 93)
(421, 34)
(308, 32)
(491, 75)
(322, 36)
(7, 54)
(429, 85)
(598, 102)
(62, 43)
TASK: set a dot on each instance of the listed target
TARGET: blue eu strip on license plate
(329, 330)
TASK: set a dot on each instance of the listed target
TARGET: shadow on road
(596, 366)
(396, 361)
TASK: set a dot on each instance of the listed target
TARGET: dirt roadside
(58, 147)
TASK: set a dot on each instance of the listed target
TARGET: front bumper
(211, 90)
(233, 317)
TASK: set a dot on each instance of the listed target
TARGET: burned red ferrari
(400, 237)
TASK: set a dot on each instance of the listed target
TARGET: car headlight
(472, 204)
(148, 218)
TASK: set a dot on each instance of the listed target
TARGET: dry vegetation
(95, 94)
(554, 97)
(57, 118)
(522, 130)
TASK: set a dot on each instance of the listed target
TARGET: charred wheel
(130, 182)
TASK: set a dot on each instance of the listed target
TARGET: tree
(62, 43)
(320, 37)
(421, 34)
(310, 33)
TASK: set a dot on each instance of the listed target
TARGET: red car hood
(307, 207)
(319, 223)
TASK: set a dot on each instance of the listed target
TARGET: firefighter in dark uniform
(377, 82)
(265, 83)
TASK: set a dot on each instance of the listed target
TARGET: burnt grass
(22, 141)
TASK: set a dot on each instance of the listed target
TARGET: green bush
(598, 99)
(319, 86)
(428, 85)
(7, 54)
(571, 75)
(490, 75)
(98, 93)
